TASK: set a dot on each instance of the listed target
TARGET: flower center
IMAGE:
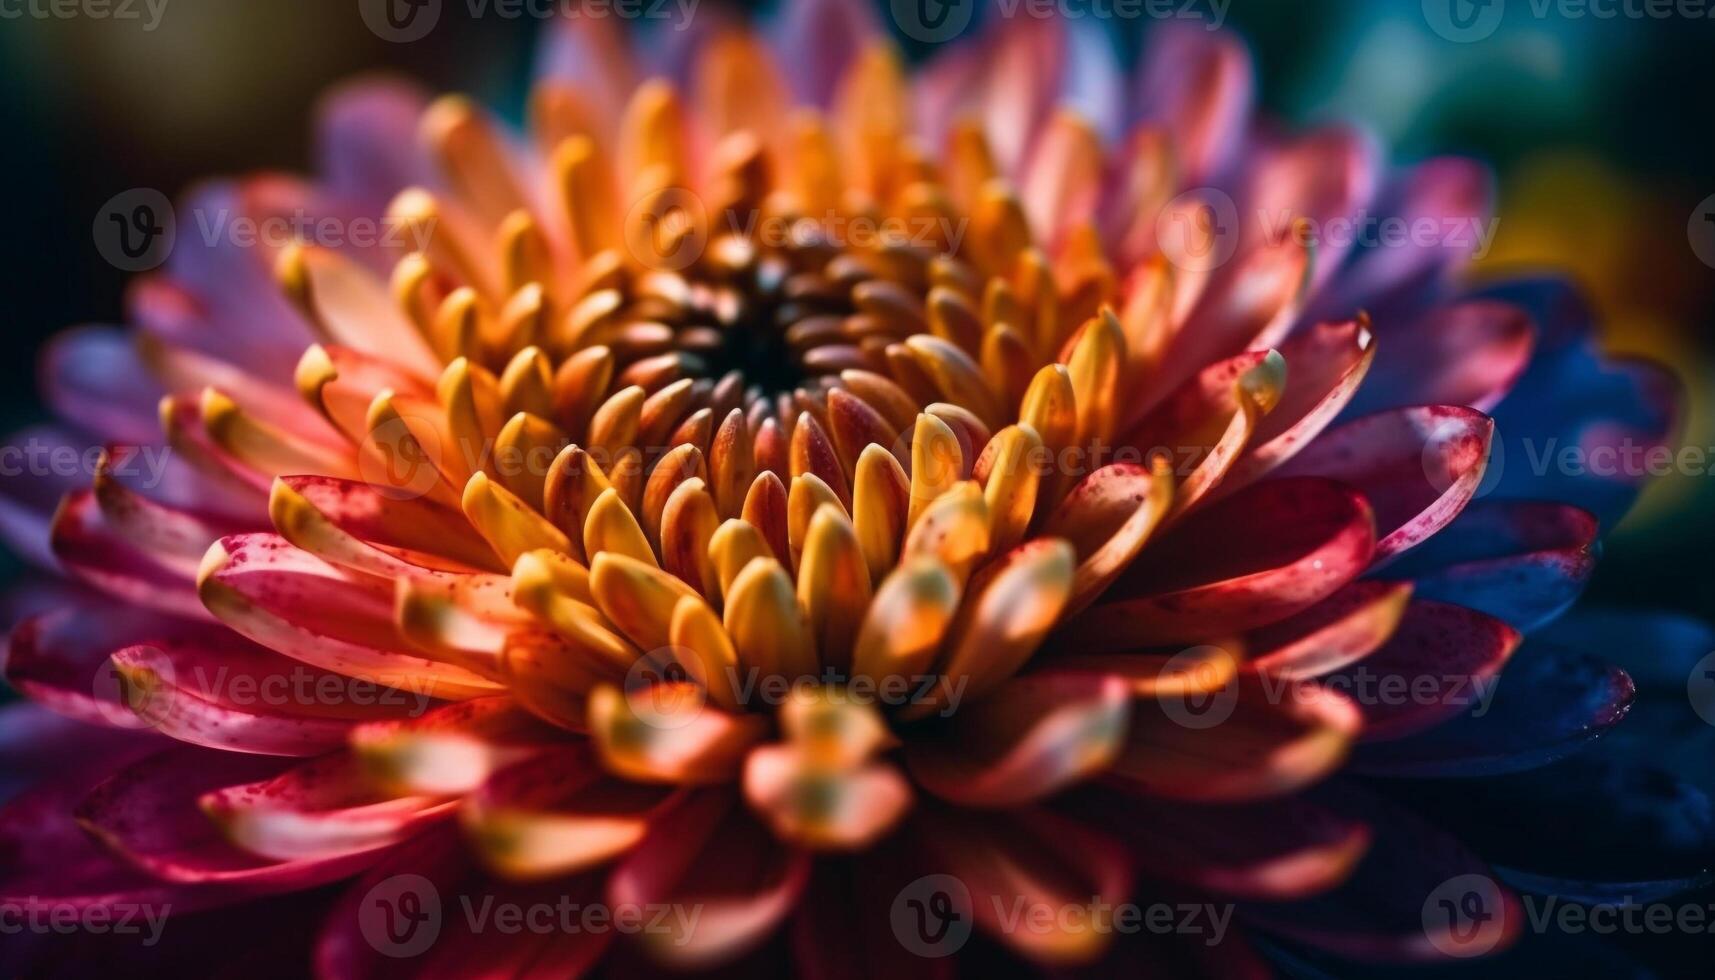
(770, 302)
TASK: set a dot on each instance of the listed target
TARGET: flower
(789, 489)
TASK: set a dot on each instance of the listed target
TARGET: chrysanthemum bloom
(762, 486)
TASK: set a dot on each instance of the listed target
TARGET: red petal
(1257, 557)
(710, 853)
(1417, 467)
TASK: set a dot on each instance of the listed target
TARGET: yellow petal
(262, 447)
(523, 453)
(766, 624)
(573, 484)
(670, 735)
(880, 497)
(557, 592)
(833, 585)
(1012, 479)
(1094, 369)
(507, 523)
(937, 463)
(636, 597)
(527, 384)
(688, 524)
(907, 621)
(735, 544)
(953, 528)
(1019, 599)
(809, 495)
(611, 528)
(702, 645)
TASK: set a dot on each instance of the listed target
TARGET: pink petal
(1325, 365)
(320, 811)
(1418, 467)
(1018, 861)
(1274, 850)
(366, 140)
(1031, 737)
(296, 604)
(1326, 177)
(434, 878)
(89, 548)
(1255, 739)
(49, 463)
(711, 851)
(1198, 84)
(1439, 663)
(149, 814)
(1466, 353)
(1343, 628)
(213, 689)
(1257, 557)
(93, 377)
(59, 658)
(1454, 192)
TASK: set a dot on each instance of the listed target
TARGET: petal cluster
(750, 467)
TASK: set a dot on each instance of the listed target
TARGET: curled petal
(1256, 557)
(1417, 467)
(1033, 736)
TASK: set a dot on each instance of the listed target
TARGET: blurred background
(1597, 126)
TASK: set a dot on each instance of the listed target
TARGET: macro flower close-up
(820, 492)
